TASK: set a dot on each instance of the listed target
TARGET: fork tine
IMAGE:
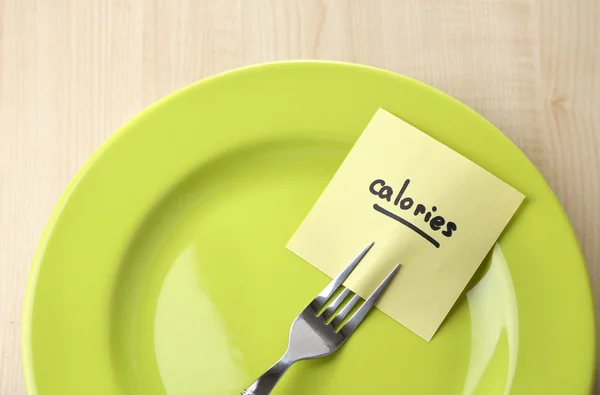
(340, 317)
(336, 303)
(364, 309)
(326, 293)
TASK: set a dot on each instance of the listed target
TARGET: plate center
(207, 292)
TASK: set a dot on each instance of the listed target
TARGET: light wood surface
(72, 72)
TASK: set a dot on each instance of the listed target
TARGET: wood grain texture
(72, 72)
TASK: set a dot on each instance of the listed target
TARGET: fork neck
(265, 383)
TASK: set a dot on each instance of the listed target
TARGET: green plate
(163, 268)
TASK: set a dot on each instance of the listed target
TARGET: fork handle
(265, 383)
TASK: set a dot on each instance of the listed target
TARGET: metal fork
(311, 336)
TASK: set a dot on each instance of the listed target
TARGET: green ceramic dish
(154, 273)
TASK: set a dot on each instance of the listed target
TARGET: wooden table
(72, 72)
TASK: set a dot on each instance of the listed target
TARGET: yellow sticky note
(426, 207)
